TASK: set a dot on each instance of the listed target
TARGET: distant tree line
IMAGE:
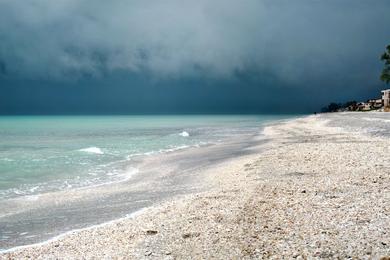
(334, 107)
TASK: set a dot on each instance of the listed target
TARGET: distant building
(386, 97)
(352, 107)
(363, 106)
(375, 103)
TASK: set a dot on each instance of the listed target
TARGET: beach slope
(315, 190)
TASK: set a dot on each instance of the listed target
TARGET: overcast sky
(179, 56)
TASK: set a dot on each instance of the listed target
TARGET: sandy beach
(315, 190)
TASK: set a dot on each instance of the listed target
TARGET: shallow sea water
(63, 173)
(48, 153)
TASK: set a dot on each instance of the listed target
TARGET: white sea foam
(184, 134)
(34, 188)
(173, 149)
(95, 150)
(167, 150)
(32, 197)
(67, 184)
(130, 172)
(18, 192)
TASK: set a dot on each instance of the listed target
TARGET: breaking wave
(184, 134)
(95, 150)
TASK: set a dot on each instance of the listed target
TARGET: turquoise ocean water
(47, 153)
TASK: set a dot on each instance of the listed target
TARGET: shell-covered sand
(314, 192)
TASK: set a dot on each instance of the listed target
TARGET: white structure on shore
(375, 103)
(386, 97)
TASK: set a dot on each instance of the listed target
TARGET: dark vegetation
(385, 76)
(334, 107)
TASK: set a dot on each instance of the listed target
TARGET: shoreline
(312, 191)
(64, 235)
(157, 169)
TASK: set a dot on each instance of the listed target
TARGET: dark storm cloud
(293, 39)
(170, 37)
(188, 56)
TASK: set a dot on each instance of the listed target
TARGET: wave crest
(184, 134)
(95, 150)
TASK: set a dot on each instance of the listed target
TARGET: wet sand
(313, 190)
